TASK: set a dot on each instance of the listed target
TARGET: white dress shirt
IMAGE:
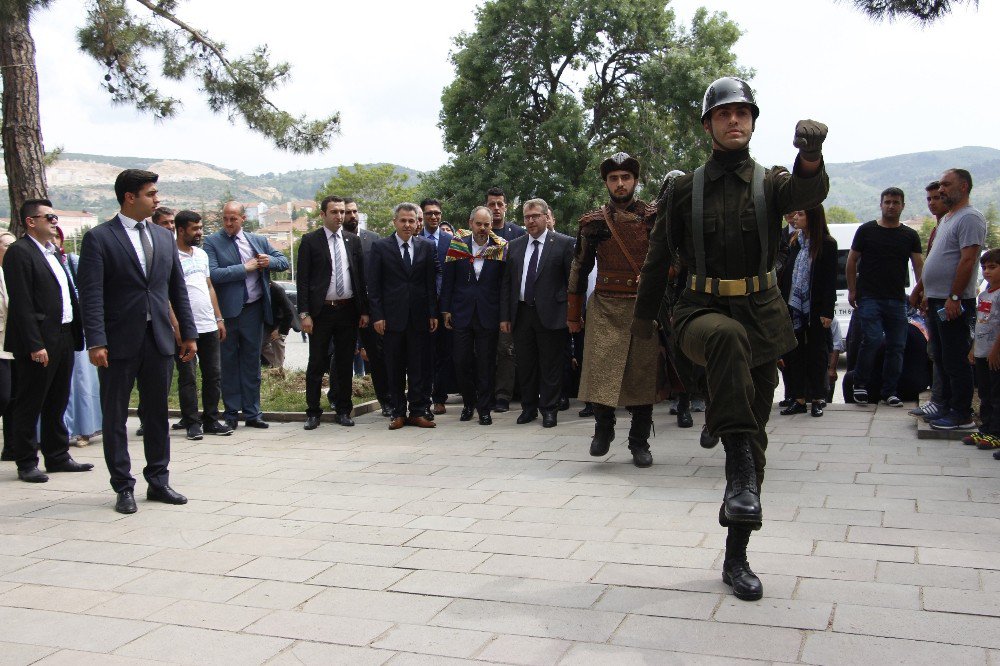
(527, 257)
(477, 252)
(335, 243)
(255, 289)
(51, 256)
(399, 243)
(132, 232)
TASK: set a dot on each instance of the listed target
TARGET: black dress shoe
(642, 456)
(180, 425)
(140, 431)
(502, 406)
(33, 475)
(233, 424)
(126, 502)
(466, 414)
(386, 412)
(786, 402)
(216, 428)
(312, 422)
(707, 440)
(165, 494)
(549, 419)
(794, 408)
(745, 583)
(485, 419)
(563, 404)
(343, 419)
(817, 408)
(588, 410)
(257, 423)
(527, 416)
(69, 465)
(194, 432)
(684, 419)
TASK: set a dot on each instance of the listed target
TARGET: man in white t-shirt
(211, 331)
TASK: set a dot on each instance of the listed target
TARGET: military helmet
(620, 162)
(728, 90)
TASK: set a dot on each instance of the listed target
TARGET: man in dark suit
(470, 303)
(402, 273)
(533, 306)
(241, 265)
(439, 351)
(130, 277)
(371, 342)
(333, 305)
(496, 201)
(43, 330)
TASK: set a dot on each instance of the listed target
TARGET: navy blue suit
(406, 299)
(474, 305)
(244, 321)
(439, 352)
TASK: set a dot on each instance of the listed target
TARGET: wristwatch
(954, 297)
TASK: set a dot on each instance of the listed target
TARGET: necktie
(147, 247)
(529, 278)
(338, 276)
(406, 256)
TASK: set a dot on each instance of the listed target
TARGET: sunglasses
(51, 217)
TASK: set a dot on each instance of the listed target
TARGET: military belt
(741, 287)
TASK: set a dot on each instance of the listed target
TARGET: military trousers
(740, 395)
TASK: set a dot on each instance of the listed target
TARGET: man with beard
(616, 364)
(725, 221)
(439, 356)
(211, 331)
(496, 201)
(371, 342)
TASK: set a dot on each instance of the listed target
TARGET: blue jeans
(881, 318)
(952, 341)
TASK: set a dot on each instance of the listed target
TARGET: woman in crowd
(6, 390)
(808, 284)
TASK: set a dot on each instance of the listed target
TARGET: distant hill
(83, 182)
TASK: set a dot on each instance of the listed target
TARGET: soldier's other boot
(707, 439)
(736, 571)
(638, 435)
(741, 502)
(604, 430)
(684, 418)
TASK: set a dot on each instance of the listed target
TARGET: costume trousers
(152, 371)
(339, 325)
(475, 354)
(241, 362)
(806, 365)
(211, 391)
(740, 396)
(407, 368)
(42, 395)
(541, 354)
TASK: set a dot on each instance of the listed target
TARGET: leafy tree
(840, 215)
(992, 216)
(123, 40)
(376, 189)
(541, 97)
(927, 224)
(924, 11)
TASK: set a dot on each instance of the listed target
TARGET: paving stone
(692, 580)
(917, 625)
(585, 654)
(926, 574)
(361, 553)
(189, 645)
(322, 628)
(376, 605)
(865, 551)
(276, 595)
(546, 568)
(75, 631)
(500, 588)
(518, 545)
(962, 601)
(976, 559)
(22, 544)
(792, 613)
(304, 653)
(524, 650)
(433, 640)
(661, 603)
(131, 606)
(224, 617)
(256, 544)
(180, 585)
(81, 575)
(443, 560)
(194, 561)
(886, 595)
(280, 569)
(18, 654)
(359, 576)
(44, 597)
(529, 620)
(836, 648)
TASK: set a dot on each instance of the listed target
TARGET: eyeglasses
(51, 217)
(534, 216)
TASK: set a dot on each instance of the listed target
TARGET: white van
(844, 235)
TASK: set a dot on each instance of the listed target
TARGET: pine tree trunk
(21, 132)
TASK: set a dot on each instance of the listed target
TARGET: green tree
(923, 11)
(541, 97)
(992, 216)
(840, 215)
(927, 224)
(376, 189)
(125, 41)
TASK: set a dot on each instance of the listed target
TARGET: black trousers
(42, 396)
(442, 361)
(338, 326)
(988, 383)
(475, 356)
(152, 371)
(375, 365)
(541, 355)
(806, 365)
(211, 391)
(405, 360)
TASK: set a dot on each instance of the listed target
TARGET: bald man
(240, 264)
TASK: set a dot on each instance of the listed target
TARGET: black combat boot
(741, 503)
(736, 571)
(638, 435)
(707, 439)
(604, 430)
(684, 419)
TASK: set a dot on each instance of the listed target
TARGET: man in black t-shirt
(876, 285)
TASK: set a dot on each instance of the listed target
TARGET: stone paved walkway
(509, 544)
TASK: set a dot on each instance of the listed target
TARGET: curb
(293, 417)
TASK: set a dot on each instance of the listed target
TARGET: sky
(880, 87)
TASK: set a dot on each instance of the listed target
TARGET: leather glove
(643, 329)
(809, 137)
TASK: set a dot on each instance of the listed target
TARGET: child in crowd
(985, 355)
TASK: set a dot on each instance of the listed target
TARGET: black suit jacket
(403, 298)
(469, 298)
(551, 278)
(114, 291)
(315, 269)
(822, 280)
(34, 316)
